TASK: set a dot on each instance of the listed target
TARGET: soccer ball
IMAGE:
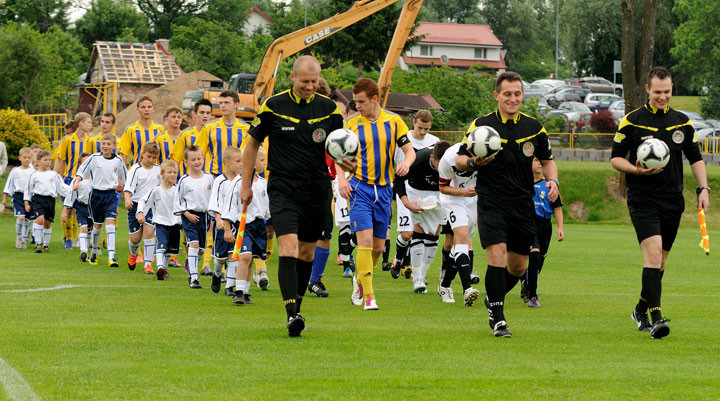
(484, 142)
(653, 153)
(342, 143)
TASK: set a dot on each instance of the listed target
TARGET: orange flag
(705, 238)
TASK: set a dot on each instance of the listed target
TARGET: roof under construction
(127, 62)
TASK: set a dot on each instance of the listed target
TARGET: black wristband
(698, 190)
(555, 181)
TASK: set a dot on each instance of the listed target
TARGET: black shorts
(656, 215)
(510, 222)
(43, 206)
(543, 234)
(446, 229)
(328, 224)
(299, 206)
(168, 238)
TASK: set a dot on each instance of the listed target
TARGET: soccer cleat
(446, 294)
(230, 291)
(83, 256)
(370, 303)
(132, 261)
(642, 320)
(46, 249)
(357, 295)
(161, 273)
(38, 248)
(419, 286)
(470, 295)
(215, 284)
(93, 259)
(68, 244)
(223, 279)
(501, 330)
(318, 288)
(347, 273)
(474, 278)
(112, 262)
(239, 298)
(660, 329)
(295, 325)
(186, 269)
(173, 262)
(386, 266)
(18, 243)
(534, 303)
(206, 271)
(395, 270)
(247, 300)
(263, 280)
(408, 272)
(491, 320)
(195, 284)
(148, 269)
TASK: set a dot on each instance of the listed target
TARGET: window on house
(426, 50)
(481, 53)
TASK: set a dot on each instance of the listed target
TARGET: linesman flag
(240, 235)
(704, 237)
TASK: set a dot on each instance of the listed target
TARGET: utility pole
(557, 36)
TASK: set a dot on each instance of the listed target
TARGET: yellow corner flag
(705, 238)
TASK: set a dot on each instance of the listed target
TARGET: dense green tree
(234, 13)
(591, 32)
(291, 16)
(72, 57)
(41, 13)
(111, 20)
(697, 40)
(458, 11)
(163, 14)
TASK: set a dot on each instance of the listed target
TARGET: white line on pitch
(15, 386)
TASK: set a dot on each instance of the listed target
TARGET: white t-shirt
(82, 195)
(428, 141)
(141, 180)
(46, 183)
(193, 193)
(449, 175)
(17, 180)
(259, 208)
(161, 201)
(105, 173)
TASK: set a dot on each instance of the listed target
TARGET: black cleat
(490, 313)
(215, 284)
(46, 249)
(230, 291)
(642, 320)
(195, 284)
(408, 272)
(160, 273)
(295, 325)
(239, 298)
(318, 288)
(501, 330)
(660, 329)
(83, 256)
(474, 278)
(247, 300)
(386, 266)
(395, 271)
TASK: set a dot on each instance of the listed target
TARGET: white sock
(38, 233)
(417, 254)
(47, 233)
(246, 290)
(133, 247)
(149, 250)
(240, 286)
(193, 262)
(218, 268)
(231, 270)
(19, 228)
(431, 247)
(110, 229)
(96, 239)
(83, 242)
(25, 229)
(160, 258)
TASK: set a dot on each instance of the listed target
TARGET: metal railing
(52, 125)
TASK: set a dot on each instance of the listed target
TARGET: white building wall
(454, 51)
(254, 22)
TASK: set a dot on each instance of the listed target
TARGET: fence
(52, 125)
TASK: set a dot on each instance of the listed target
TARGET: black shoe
(491, 321)
(38, 248)
(239, 298)
(83, 256)
(230, 291)
(386, 266)
(524, 291)
(501, 330)
(660, 329)
(318, 288)
(474, 278)
(642, 320)
(195, 284)
(215, 285)
(247, 300)
(46, 249)
(408, 272)
(160, 273)
(295, 325)
(395, 270)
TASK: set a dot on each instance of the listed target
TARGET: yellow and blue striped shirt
(187, 139)
(215, 137)
(378, 140)
(134, 137)
(94, 143)
(69, 151)
(166, 145)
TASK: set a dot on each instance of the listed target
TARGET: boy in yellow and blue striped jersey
(202, 114)
(107, 126)
(139, 133)
(166, 141)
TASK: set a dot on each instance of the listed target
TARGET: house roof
(400, 103)
(455, 62)
(262, 14)
(467, 34)
(126, 62)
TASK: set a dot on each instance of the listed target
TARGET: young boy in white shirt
(107, 171)
(191, 204)
(15, 186)
(44, 185)
(78, 201)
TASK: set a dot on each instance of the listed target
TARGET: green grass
(121, 335)
(687, 103)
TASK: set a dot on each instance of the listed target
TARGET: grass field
(113, 334)
(687, 103)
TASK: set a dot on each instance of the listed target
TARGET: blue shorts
(196, 232)
(370, 207)
(103, 205)
(168, 238)
(222, 249)
(133, 224)
(82, 214)
(67, 181)
(255, 239)
(19, 206)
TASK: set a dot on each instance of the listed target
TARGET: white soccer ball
(484, 142)
(653, 153)
(342, 143)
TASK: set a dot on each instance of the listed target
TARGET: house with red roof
(257, 21)
(456, 45)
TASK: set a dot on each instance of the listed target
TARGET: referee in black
(654, 196)
(506, 212)
(296, 123)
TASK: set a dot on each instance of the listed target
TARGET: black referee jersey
(668, 125)
(509, 176)
(297, 129)
(422, 175)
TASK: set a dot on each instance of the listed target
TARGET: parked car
(692, 115)
(536, 90)
(575, 111)
(563, 97)
(714, 123)
(552, 82)
(617, 108)
(696, 119)
(601, 85)
(709, 139)
(593, 99)
(553, 93)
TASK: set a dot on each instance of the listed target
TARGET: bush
(555, 124)
(18, 130)
(603, 121)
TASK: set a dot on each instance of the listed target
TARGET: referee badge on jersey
(678, 136)
(528, 149)
(319, 135)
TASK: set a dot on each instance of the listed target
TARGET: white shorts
(428, 220)
(460, 211)
(404, 217)
(342, 216)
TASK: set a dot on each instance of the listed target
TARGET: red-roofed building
(456, 45)
(257, 21)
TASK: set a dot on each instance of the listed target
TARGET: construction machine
(254, 88)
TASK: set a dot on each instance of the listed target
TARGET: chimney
(164, 43)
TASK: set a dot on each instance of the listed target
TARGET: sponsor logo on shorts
(528, 149)
(319, 135)
(678, 136)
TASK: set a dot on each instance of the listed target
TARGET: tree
(637, 55)
(697, 48)
(23, 52)
(110, 20)
(457, 11)
(42, 13)
(70, 54)
(234, 13)
(593, 32)
(163, 14)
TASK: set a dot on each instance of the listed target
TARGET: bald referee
(654, 196)
(296, 123)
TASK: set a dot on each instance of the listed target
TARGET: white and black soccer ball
(342, 143)
(484, 142)
(653, 153)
